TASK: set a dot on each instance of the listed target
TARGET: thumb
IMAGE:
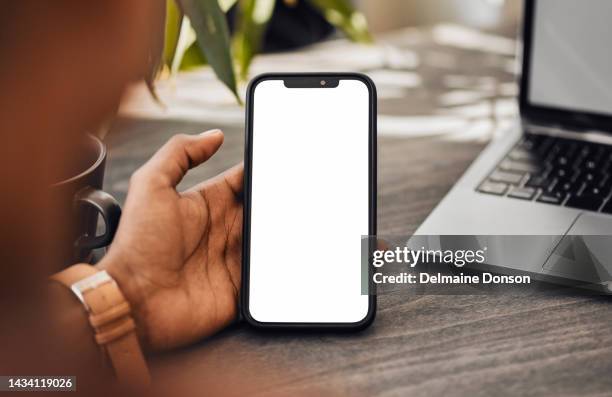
(182, 152)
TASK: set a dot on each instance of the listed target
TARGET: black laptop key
(600, 152)
(595, 191)
(511, 178)
(545, 146)
(556, 150)
(587, 202)
(555, 198)
(591, 177)
(572, 150)
(554, 185)
(592, 156)
(493, 188)
(591, 163)
(525, 193)
(608, 207)
(606, 167)
(605, 184)
(531, 142)
(606, 159)
(562, 161)
(538, 181)
(564, 148)
(585, 150)
(562, 173)
(576, 176)
(567, 187)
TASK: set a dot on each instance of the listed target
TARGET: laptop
(549, 179)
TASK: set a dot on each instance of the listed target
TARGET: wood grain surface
(531, 344)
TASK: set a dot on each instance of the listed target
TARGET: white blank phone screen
(309, 202)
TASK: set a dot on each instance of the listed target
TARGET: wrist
(111, 318)
(128, 285)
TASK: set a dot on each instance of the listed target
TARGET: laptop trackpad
(585, 252)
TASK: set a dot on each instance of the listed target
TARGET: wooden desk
(443, 93)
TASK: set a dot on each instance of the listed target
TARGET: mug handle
(108, 207)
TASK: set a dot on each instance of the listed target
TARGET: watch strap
(110, 316)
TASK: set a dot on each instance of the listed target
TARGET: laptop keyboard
(555, 171)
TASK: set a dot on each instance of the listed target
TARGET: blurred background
(445, 70)
(498, 15)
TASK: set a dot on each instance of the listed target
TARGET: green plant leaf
(193, 57)
(253, 18)
(174, 21)
(210, 26)
(341, 14)
(187, 40)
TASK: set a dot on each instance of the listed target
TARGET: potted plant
(197, 32)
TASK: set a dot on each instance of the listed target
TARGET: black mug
(82, 201)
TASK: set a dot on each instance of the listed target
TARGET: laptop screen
(571, 57)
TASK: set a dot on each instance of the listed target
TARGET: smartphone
(309, 197)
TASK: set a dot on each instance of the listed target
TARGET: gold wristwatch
(110, 317)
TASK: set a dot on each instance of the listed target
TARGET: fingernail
(211, 132)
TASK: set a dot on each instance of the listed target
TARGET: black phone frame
(307, 80)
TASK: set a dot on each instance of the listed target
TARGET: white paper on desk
(309, 203)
